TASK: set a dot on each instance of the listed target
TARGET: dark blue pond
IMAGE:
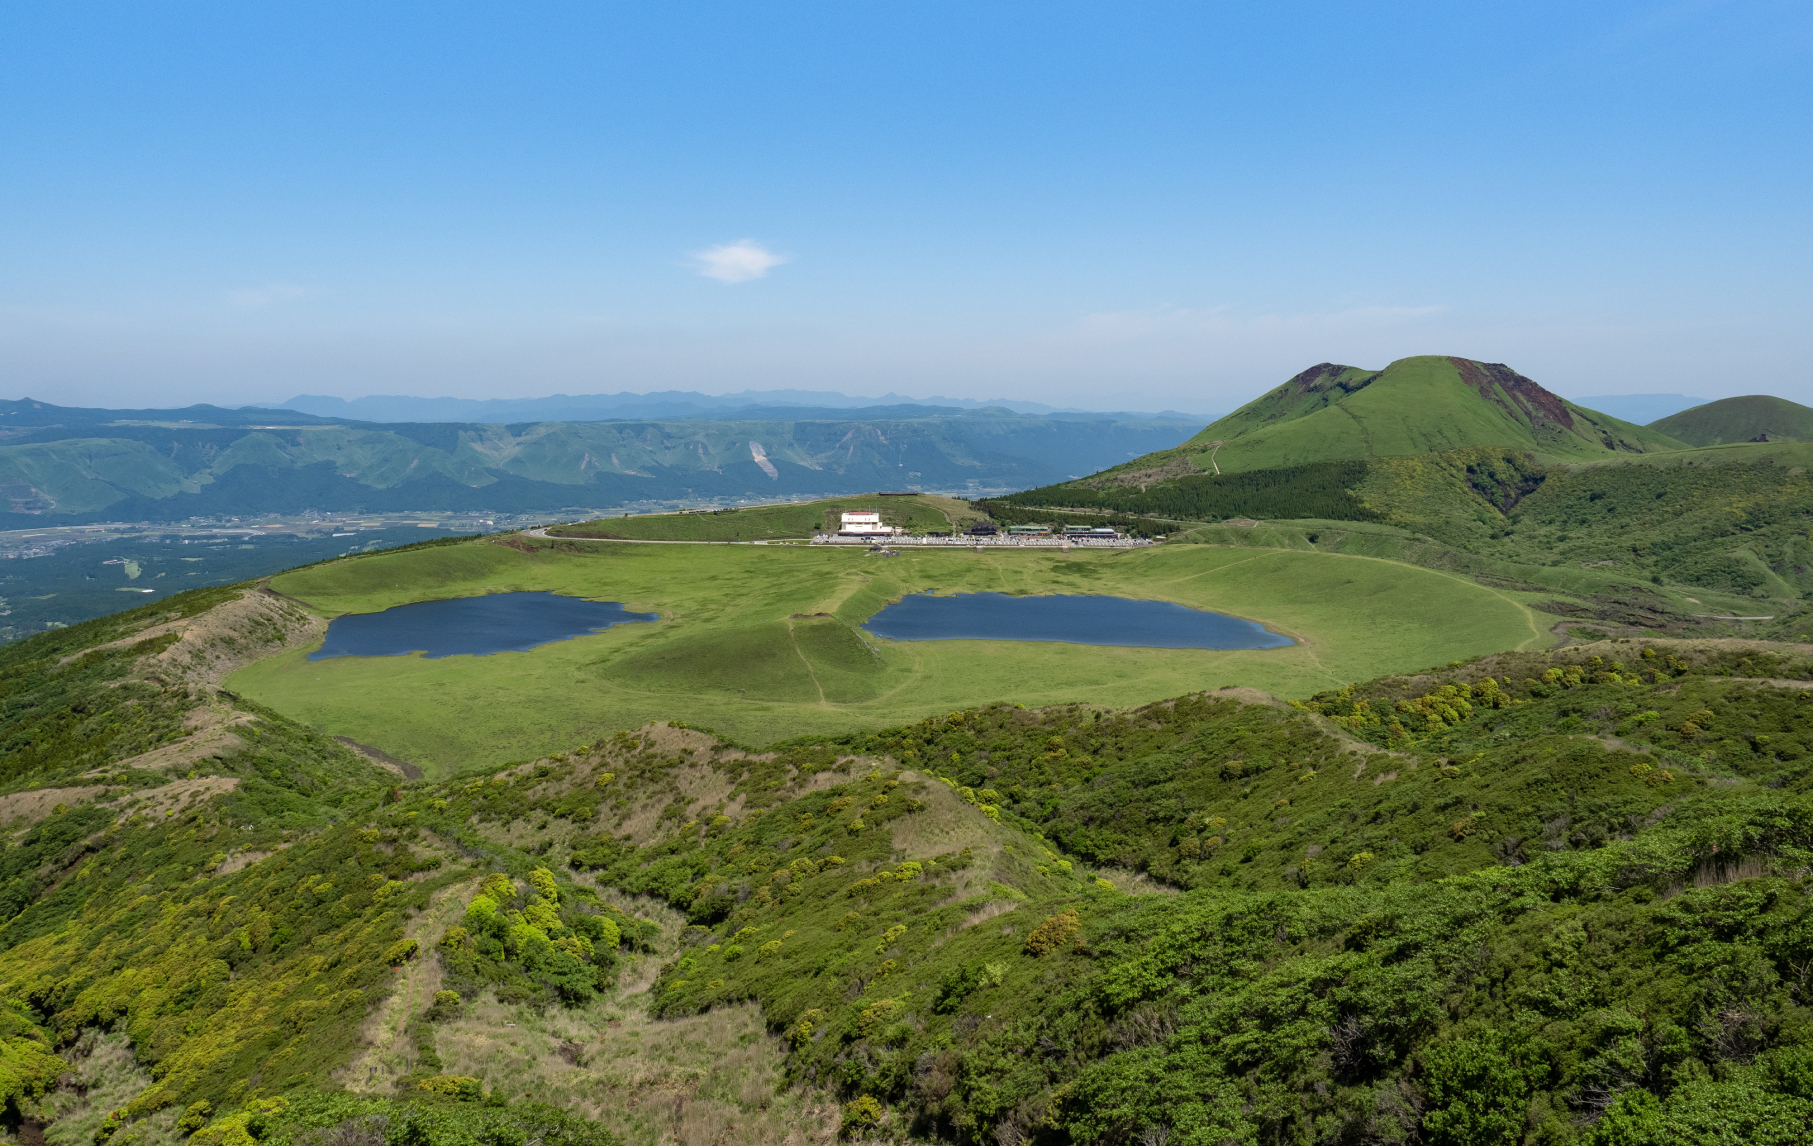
(1074, 620)
(500, 622)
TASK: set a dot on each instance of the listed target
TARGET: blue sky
(1105, 205)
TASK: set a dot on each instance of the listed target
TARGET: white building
(862, 523)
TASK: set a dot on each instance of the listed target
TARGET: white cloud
(737, 262)
(270, 294)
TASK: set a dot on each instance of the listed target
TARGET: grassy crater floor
(761, 644)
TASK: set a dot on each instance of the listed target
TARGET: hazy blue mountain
(603, 407)
(75, 465)
(1640, 409)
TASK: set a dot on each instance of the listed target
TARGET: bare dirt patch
(714, 1079)
(704, 1080)
(1246, 696)
(239, 861)
(174, 797)
(993, 909)
(946, 825)
(23, 809)
(229, 637)
(389, 1046)
(212, 735)
(383, 760)
(1134, 882)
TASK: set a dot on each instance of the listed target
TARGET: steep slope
(1413, 406)
(1753, 418)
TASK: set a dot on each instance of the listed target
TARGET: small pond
(1073, 620)
(499, 622)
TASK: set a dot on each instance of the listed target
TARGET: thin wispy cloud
(737, 262)
(270, 294)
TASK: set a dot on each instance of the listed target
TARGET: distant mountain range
(79, 465)
(1640, 409)
(76, 465)
(664, 404)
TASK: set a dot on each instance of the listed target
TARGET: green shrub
(462, 1087)
(1051, 934)
(864, 1113)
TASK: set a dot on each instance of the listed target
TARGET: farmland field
(761, 644)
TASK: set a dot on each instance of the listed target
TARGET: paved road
(903, 543)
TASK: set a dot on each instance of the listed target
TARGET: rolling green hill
(1754, 418)
(1543, 897)
(1413, 406)
(1721, 519)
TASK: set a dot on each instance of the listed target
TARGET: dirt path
(384, 760)
(808, 663)
(389, 1044)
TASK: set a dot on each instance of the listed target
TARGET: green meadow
(764, 643)
(798, 520)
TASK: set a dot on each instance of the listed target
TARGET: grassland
(760, 644)
(776, 522)
(1755, 417)
(1415, 405)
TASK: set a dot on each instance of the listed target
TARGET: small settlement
(865, 527)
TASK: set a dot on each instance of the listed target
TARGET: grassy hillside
(936, 918)
(1722, 521)
(1754, 418)
(1413, 406)
(1550, 897)
(762, 523)
(765, 643)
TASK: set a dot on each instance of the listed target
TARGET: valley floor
(761, 644)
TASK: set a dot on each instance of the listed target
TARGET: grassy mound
(1753, 418)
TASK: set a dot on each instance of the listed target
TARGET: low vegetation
(1753, 418)
(919, 514)
(1729, 522)
(954, 891)
(765, 643)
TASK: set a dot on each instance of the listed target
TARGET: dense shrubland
(1496, 934)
